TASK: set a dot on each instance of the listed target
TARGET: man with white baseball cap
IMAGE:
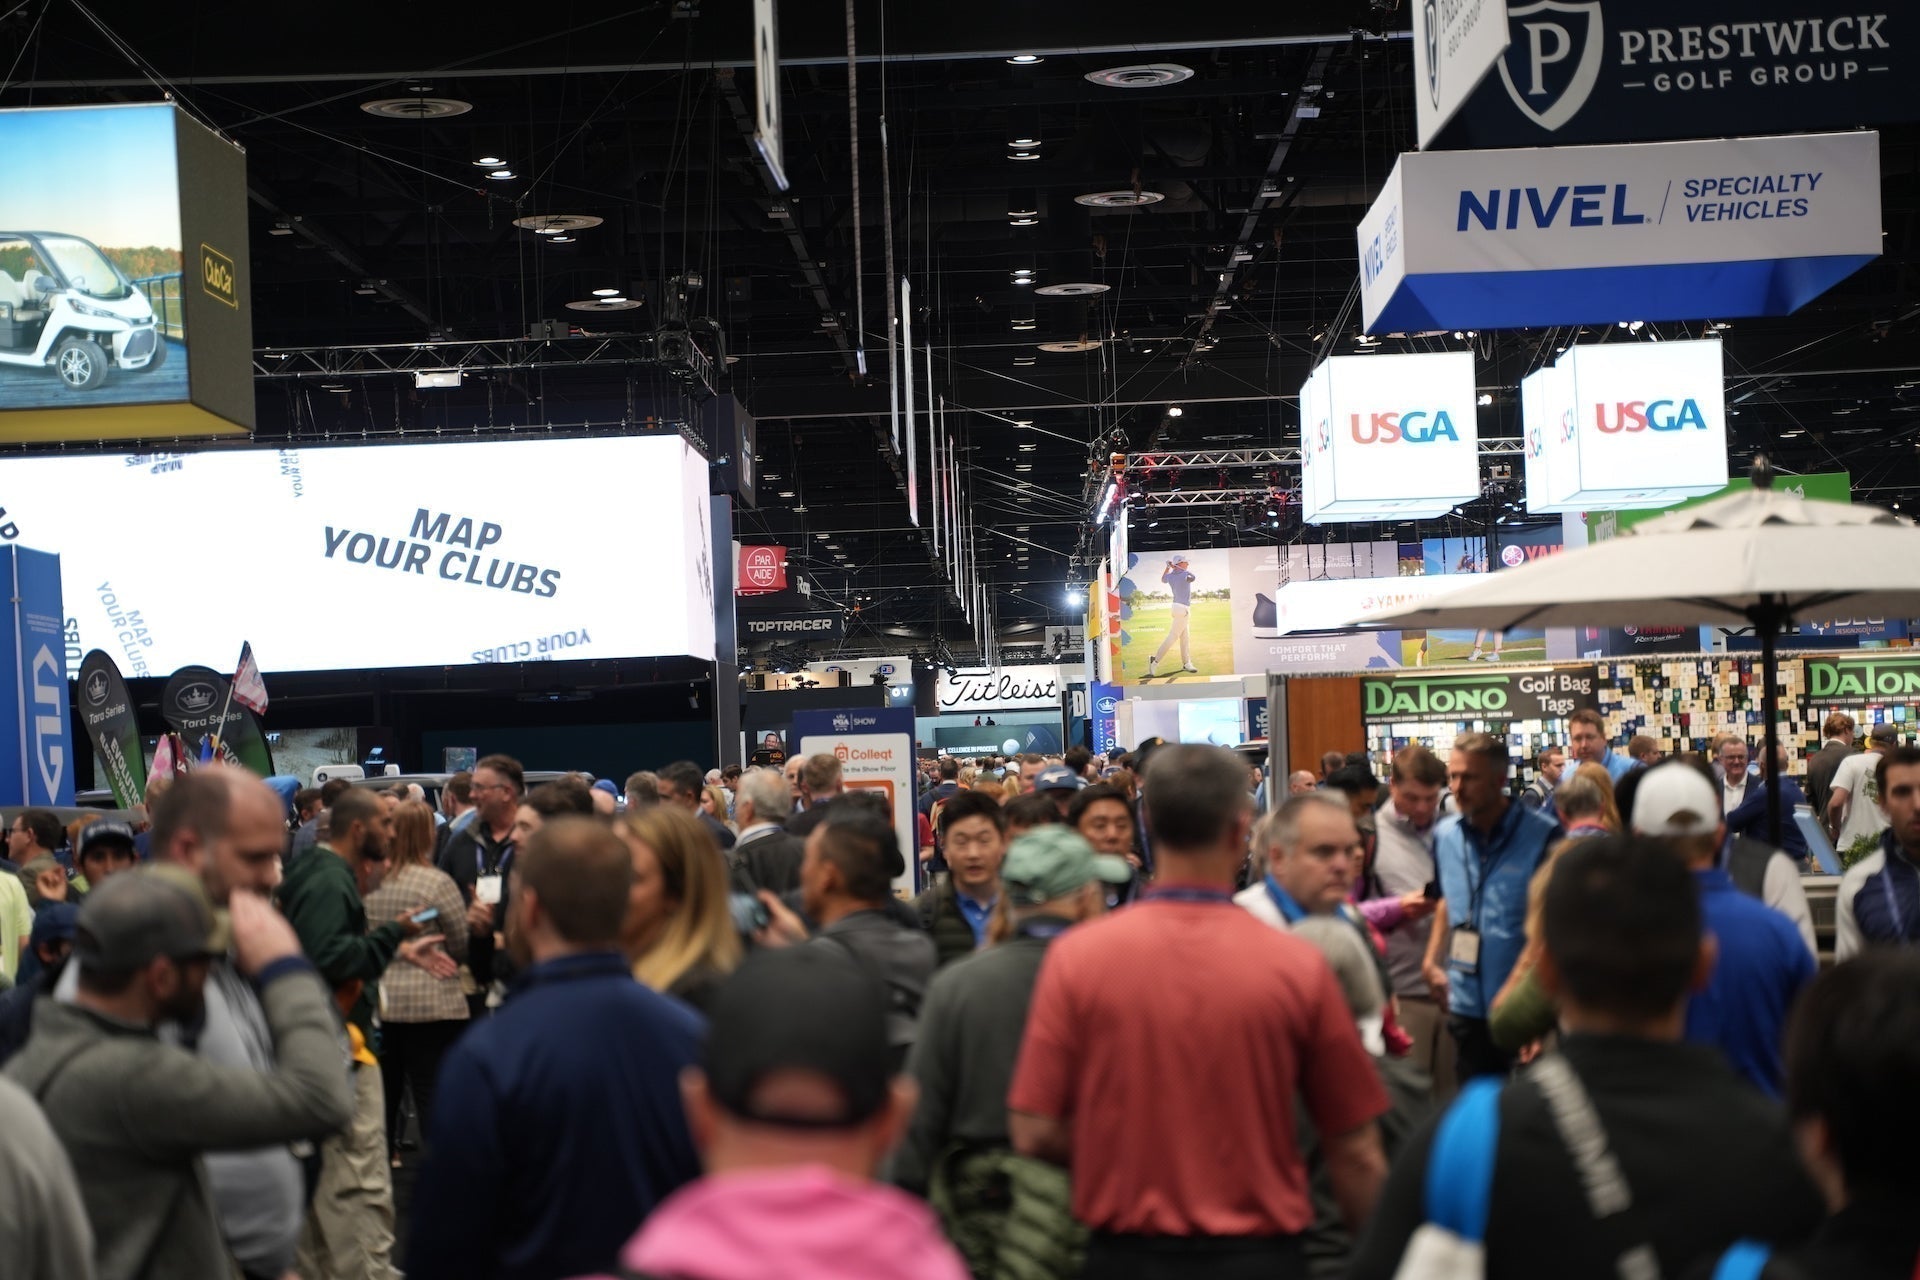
(1763, 962)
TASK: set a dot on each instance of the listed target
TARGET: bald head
(226, 825)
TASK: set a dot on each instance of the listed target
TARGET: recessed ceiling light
(1029, 446)
(1022, 360)
(500, 175)
(1146, 75)
(1084, 344)
(418, 108)
(1023, 422)
(488, 162)
(1077, 289)
(786, 493)
(1023, 222)
(561, 240)
(606, 293)
(1025, 59)
(1023, 155)
(553, 224)
(1023, 466)
(604, 304)
(1128, 199)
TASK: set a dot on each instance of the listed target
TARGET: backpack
(1452, 1243)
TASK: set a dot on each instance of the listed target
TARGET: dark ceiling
(373, 230)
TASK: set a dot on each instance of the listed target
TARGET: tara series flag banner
(1590, 235)
(107, 710)
(192, 703)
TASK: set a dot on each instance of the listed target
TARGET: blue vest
(1484, 880)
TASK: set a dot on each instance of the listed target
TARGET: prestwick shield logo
(1432, 13)
(96, 689)
(1553, 62)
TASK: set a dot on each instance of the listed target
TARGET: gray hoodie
(135, 1115)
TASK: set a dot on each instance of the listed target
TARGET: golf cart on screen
(65, 306)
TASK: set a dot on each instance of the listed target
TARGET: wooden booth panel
(1323, 714)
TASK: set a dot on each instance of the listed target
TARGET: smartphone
(424, 915)
(1432, 891)
(749, 913)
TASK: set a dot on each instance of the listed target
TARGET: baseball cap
(1057, 777)
(53, 923)
(807, 1008)
(1675, 800)
(606, 785)
(104, 833)
(147, 913)
(1886, 732)
(1051, 862)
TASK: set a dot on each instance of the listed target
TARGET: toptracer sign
(124, 298)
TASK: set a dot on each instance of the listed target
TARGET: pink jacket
(804, 1223)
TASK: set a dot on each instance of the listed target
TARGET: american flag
(249, 690)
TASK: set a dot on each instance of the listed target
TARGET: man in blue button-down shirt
(1587, 739)
(1485, 855)
(558, 1124)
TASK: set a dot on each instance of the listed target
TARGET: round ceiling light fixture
(416, 108)
(1078, 289)
(1084, 344)
(1025, 59)
(606, 293)
(1142, 75)
(488, 162)
(500, 175)
(604, 304)
(553, 224)
(1128, 199)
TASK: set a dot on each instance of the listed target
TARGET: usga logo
(1566, 425)
(1323, 436)
(1649, 415)
(1416, 426)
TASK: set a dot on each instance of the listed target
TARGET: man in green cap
(957, 1149)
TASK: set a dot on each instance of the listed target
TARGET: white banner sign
(1004, 688)
(443, 553)
(1587, 235)
(1388, 436)
(1341, 604)
(1455, 44)
(1625, 424)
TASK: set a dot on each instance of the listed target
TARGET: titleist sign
(1000, 688)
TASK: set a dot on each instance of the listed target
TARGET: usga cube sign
(1388, 436)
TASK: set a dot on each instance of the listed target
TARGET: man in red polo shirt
(1165, 1049)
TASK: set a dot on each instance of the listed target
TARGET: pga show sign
(1591, 235)
(1625, 424)
(875, 749)
(1580, 71)
(1388, 436)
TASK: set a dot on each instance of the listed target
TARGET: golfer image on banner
(1180, 581)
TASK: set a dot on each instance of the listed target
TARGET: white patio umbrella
(1761, 558)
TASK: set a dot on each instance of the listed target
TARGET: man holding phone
(349, 1231)
(1179, 580)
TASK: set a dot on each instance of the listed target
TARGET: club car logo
(96, 689)
(196, 697)
(217, 277)
(1553, 62)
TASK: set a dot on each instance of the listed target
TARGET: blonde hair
(412, 835)
(1588, 792)
(992, 788)
(700, 932)
(715, 795)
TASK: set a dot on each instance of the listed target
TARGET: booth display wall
(604, 750)
(1323, 714)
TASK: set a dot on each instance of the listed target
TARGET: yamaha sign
(1645, 70)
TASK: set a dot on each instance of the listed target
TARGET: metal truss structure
(672, 351)
(1134, 469)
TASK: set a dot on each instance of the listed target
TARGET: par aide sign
(1001, 689)
(1388, 436)
(1590, 235)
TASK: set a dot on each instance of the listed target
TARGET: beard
(188, 1006)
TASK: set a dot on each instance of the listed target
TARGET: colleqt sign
(1388, 435)
(1588, 235)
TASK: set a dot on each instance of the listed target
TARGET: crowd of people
(1145, 1017)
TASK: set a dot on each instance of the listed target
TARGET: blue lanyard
(1043, 928)
(1476, 885)
(1189, 893)
(1283, 902)
(480, 862)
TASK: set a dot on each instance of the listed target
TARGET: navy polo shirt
(1762, 965)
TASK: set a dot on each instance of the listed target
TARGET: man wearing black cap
(794, 1109)
(49, 946)
(135, 1114)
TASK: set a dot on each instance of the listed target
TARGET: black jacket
(1820, 770)
(770, 861)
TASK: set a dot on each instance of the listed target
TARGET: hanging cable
(886, 229)
(853, 158)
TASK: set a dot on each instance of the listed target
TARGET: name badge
(487, 889)
(1465, 951)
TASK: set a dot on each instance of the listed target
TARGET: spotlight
(1174, 411)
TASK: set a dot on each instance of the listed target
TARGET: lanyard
(1476, 884)
(480, 859)
(1894, 912)
(1043, 928)
(1189, 893)
(1283, 902)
